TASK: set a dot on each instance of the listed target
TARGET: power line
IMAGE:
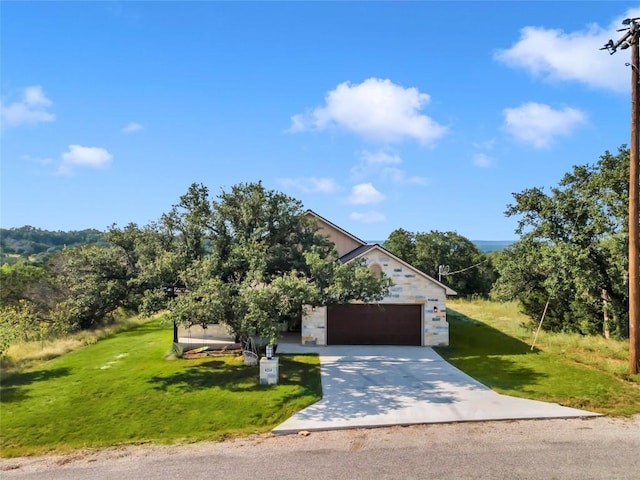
(464, 269)
(443, 270)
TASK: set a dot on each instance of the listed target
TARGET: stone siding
(314, 325)
(409, 287)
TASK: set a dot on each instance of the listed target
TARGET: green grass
(23, 354)
(489, 343)
(124, 390)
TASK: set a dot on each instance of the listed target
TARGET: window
(376, 270)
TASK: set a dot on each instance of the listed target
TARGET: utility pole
(630, 39)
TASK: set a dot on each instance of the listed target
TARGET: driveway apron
(375, 386)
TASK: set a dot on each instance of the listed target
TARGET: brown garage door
(373, 324)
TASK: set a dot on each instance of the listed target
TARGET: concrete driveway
(375, 386)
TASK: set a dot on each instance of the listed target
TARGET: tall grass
(23, 354)
(609, 355)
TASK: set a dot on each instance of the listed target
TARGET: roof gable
(350, 247)
(362, 252)
(356, 253)
(343, 240)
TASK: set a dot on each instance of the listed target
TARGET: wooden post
(606, 330)
(535, 339)
(634, 294)
(175, 332)
(630, 39)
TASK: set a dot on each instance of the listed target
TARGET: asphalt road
(595, 448)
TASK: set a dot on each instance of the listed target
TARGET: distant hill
(38, 245)
(485, 246)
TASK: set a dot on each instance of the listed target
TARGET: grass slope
(489, 343)
(123, 390)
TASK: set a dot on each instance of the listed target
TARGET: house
(414, 312)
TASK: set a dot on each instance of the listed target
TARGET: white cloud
(378, 165)
(482, 160)
(132, 127)
(486, 145)
(538, 124)
(416, 180)
(367, 217)
(298, 123)
(375, 109)
(311, 184)
(397, 175)
(79, 156)
(372, 163)
(379, 158)
(365, 194)
(573, 56)
(30, 110)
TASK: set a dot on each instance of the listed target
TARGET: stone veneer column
(314, 325)
(434, 322)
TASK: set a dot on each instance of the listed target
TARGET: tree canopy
(249, 259)
(265, 261)
(573, 250)
(469, 270)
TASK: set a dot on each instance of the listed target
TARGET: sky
(376, 115)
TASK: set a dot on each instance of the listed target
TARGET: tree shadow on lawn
(239, 377)
(11, 388)
(480, 350)
(469, 336)
(498, 372)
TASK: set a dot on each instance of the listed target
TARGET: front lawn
(123, 390)
(489, 343)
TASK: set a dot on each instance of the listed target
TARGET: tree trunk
(605, 312)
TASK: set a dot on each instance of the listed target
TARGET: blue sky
(377, 115)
